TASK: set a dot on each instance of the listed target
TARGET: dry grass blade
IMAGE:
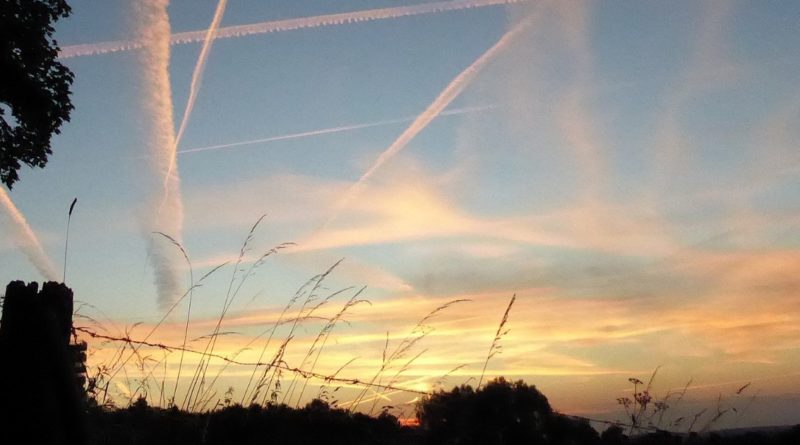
(66, 238)
(418, 332)
(275, 363)
(197, 386)
(119, 366)
(494, 348)
(322, 394)
(440, 381)
(326, 331)
(395, 378)
(279, 321)
(188, 310)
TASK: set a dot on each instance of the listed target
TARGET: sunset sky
(630, 170)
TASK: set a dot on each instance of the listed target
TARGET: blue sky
(629, 170)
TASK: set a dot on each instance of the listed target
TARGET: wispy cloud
(709, 68)
(551, 336)
(25, 238)
(92, 49)
(574, 118)
(409, 203)
(413, 208)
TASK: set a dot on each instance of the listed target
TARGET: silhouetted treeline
(41, 402)
(279, 424)
(786, 436)
(500, 413)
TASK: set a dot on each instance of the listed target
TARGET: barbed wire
(303, 373)
(328, 378)
(620, 424)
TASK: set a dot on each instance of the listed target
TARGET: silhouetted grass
(644, 412)
(276, 388)
(495, 348)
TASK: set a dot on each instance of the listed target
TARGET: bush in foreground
(499, 413)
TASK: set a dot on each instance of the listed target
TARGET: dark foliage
(613, 435)
(499, 413)
(316, 423)
(34, 86)
(41, 402)
(778, 436)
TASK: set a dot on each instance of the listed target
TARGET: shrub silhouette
(317, 422)
(613, 435)
(499, 413)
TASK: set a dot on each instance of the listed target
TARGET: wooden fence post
(41, 399)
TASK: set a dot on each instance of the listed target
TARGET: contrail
(162, 215)
(456, 86)
(197, 78)
(329, 130)
(93, 49)
(26, 239)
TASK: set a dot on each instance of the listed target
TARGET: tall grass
(496, 347)
(141, 366)
(140, 373)
(66, 238)
(645, 412)
(421, 330)
(324, 335)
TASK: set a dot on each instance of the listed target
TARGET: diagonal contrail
(451, 91)
(92, 49)
(197, 79)
(26, 239)
(330, 130)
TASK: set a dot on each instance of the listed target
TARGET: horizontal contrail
(329, 130)
(26, 239)
(93, 49)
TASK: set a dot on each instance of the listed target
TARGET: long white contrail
(92, 49)
(451, 91)
(164, 209)
(197, 78)
(330, 130)
(26, 239)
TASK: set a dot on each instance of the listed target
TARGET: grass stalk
(495, 348)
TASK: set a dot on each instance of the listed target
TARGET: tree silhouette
(499, 413)
(34, 86)
(614, 435)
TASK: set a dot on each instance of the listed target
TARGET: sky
(629, 170)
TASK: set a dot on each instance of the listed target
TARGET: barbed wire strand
(326, 378)
(298, 371)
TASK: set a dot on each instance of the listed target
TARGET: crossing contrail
(330, 130)
(93, 49)
(164, 211)
(26, 239)
(451, 91)
(197, 78)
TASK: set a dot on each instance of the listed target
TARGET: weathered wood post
(41, 401)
